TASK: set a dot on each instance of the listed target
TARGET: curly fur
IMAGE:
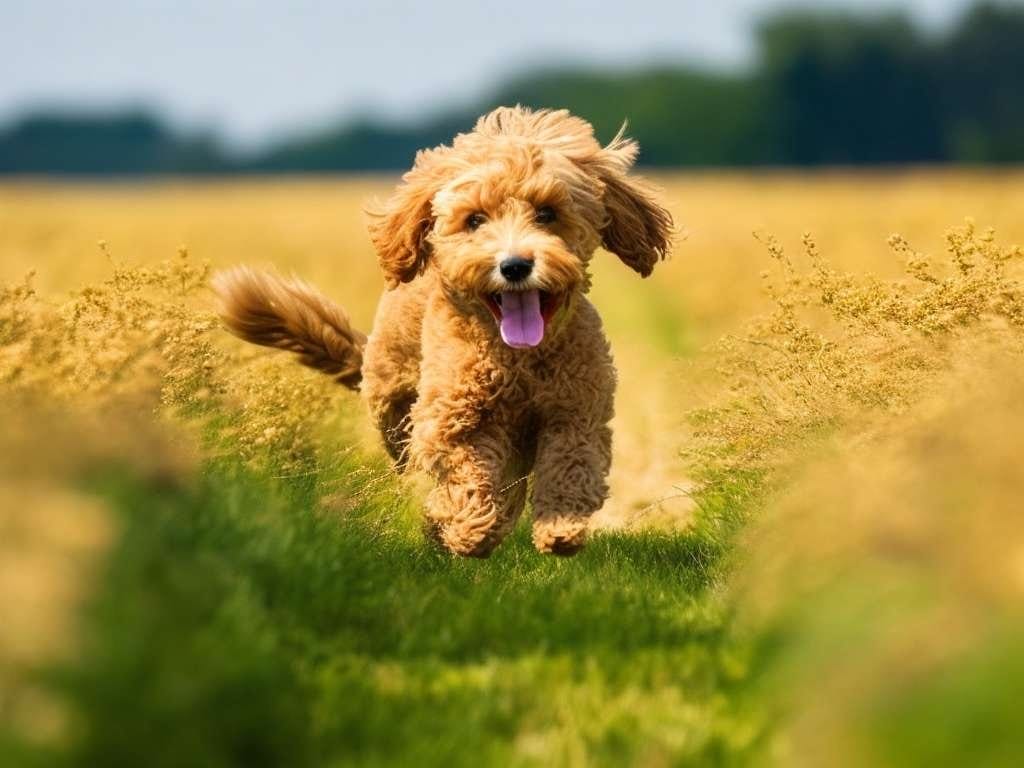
(448, 395)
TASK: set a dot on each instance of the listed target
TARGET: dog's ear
(638, 229)
(399, 228)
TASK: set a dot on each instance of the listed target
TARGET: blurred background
(813, 549)
(191, 87)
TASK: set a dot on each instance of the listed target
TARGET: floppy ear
(399, 227)
(639, 230)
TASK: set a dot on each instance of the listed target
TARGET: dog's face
(514, 232)
(511, 215)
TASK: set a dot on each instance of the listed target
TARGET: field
(813, 553)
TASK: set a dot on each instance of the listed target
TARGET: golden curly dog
(486, 361)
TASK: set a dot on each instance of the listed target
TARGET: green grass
(972, 709)
(240, 621)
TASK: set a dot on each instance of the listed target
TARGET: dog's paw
(470, 543)
(564, 536)
(462, 522)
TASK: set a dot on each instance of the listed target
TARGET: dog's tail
(288, 313)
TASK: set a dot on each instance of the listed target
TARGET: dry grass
(711, 284)
(877, 423)
(146, 335)
(840, 347)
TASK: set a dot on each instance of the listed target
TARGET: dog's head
(511, 214)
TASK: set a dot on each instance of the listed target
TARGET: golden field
(710, 287)
(822, 387)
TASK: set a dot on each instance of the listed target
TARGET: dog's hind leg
(391, 415)
(391, 371)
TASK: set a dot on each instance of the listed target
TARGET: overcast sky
(259, 68)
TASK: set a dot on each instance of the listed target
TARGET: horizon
(299, 79)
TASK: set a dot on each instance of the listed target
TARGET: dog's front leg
(573, 458)
(474, 503)
(461, 440)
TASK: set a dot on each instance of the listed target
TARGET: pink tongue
(521, 322)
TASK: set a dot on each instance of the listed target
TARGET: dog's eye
(545, 215)
(474, 220)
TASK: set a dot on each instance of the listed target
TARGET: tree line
(826, 88)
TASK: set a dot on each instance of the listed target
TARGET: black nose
(515, 268)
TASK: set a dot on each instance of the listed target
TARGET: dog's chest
(532, 383)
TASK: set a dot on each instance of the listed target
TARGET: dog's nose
(515, 268)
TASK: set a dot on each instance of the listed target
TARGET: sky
(258, 69)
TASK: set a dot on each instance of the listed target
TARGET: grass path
(238, 621)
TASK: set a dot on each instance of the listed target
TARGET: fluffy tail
(264, 308)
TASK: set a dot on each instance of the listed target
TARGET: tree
(849, 90)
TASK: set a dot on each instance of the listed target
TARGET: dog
(487, 365)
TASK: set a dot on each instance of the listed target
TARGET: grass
(969, 711)
(236, 622)
(210, 566)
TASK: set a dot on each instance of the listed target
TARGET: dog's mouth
(523, 315)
